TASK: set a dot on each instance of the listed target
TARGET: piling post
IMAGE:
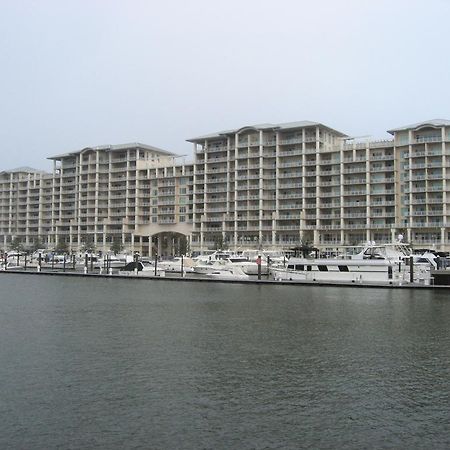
(258, 262)
(25, 261)
(182, 266)
(64, 262)
(39, 262)
(5, 260)
(156, 262)
(86, 262)
(136, 264)
(411, 269)
(18, 256)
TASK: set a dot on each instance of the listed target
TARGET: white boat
(10, 265)
(113, 262)
(228, 273)
(143, 269)
(248, 267)
(174, 265)
(205, 267)
(383, 263)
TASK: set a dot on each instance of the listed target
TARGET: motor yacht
(374, 263)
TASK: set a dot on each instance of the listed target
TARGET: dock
(174, 277)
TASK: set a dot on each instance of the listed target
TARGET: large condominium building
(261, 186)
(124, 194)
(282, 184)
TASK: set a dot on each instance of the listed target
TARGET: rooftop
(265, 126)
(116, 148)
(24, 169)
(429, 123)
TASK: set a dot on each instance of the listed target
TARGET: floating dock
(394, 284)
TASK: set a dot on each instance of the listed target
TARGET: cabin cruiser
(228, 273)
(249, 267)
(176, 264)
(224, 259)
(382, 263)
(208, 266)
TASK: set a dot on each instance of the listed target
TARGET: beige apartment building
(134, 195)
(268, 186)
(278, 185)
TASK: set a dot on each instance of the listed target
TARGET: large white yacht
(374, 263)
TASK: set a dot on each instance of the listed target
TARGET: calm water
(101, 363)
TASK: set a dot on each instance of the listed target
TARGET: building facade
(121, 195)
(262, 186)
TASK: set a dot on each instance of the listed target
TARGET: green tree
(36, 244)
(16, 245)
(87, 241)
(116, 246)
(219, 243)
(62, 247)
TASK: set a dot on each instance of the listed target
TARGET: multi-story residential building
(282, 184)
(269, 185)
(125, 194)
(25, 205)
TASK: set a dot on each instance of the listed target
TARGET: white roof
(429, 123)
(24, 169)
(115, 148)
(265, 126)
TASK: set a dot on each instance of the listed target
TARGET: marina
(227, 277)
(389, 265)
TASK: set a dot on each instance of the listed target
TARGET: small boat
(112, 261)
(228, 273)
(10, 265)
(174, 265)
(142, 269)
(208, 266)
(249, 267)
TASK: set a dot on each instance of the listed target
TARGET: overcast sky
(90, 72)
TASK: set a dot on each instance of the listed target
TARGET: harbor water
(158, 364)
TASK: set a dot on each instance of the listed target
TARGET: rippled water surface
(104, 363)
